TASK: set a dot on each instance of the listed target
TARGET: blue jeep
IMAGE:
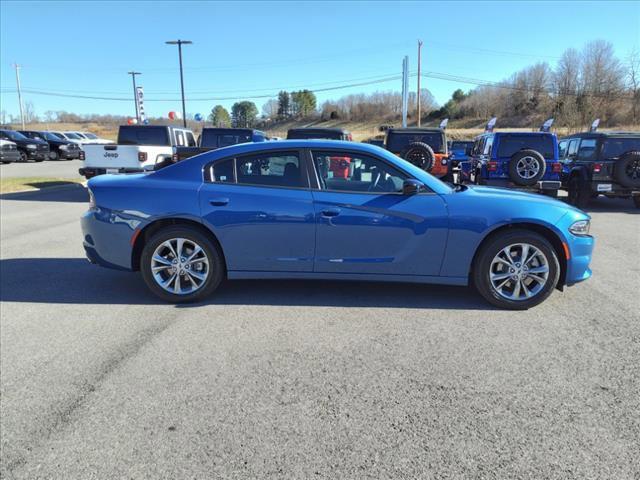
(522, 160)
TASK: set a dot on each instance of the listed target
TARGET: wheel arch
(152, 228)
(544, 230)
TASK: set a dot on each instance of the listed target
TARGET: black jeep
(601, 163)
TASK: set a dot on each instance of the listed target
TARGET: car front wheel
(181, 264)
(516, 270)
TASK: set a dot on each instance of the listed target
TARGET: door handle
(219, 202)
(330, 212)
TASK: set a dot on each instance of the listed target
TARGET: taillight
(492, 166)
(142, 156)
(174, 158)
(556, 168)
(350, 137)
(597, 167)
(81, 155)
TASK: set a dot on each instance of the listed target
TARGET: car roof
(603, 134)
(230, 129)
(414, 130)
(319, 129)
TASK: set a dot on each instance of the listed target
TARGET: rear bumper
(537, 187)
(90, 172)
(107, 238)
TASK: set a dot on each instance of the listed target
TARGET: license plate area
(604, 187)
(112, 170)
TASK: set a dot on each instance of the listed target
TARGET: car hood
(505, 194)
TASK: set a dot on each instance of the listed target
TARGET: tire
(486, 264)
(211, 255)
(53, 156)
(579, 192)
(526, 167)
(636, 201)
(627, 170)
(419, 154)
(23, 157)
(39, 161)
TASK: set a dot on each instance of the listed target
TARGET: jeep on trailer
(319, 133)
(523, 160)
(601, 163)
(214, 138)
(426, 148)
(139, 148)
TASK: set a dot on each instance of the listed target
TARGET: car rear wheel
(526, 167)
(516, 270)
(579, 194)
(53, 155)
(181, 264)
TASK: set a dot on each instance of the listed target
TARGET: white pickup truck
(139, 148)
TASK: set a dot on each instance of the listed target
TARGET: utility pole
(135, 93)
(180, 43)
(405, 90)
(418, 92)
(17, 67)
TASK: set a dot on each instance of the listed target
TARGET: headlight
(92, 200)
(32, 147)
(64, 147)
(580, 228)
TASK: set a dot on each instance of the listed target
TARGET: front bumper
(37, 154)
(69, 154)
(10, 156)
(580, 251)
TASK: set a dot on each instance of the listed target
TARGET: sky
(251, 50)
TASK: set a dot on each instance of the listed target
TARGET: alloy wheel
(180, 266)
(519, 272)
(528, 167)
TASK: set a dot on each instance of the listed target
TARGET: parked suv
(523, 160)
(29, 148)
(59, 149)
(601, 163)
(319, 133)
(426, 148)
(214, 138)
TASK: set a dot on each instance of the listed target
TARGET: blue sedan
(330, 210)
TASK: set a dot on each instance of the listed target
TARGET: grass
(9, 185)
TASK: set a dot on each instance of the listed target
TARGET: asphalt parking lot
(59, 169)
(309, 379)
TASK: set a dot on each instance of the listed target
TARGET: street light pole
(135, 93)
(180, 43)
(17, 67)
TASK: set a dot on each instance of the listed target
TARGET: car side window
(352, 172)
(573, 148)
(191, 142)
(270, 169)
(487, 145)
(179, 138)
(587, 150)
(223, 171)
(562, 148)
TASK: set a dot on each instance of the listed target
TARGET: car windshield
(397, 141)
(59, 135)
(511, 144)
(52, 136)
(223, 139)
(155, 135)
(615, 147)
(90, 135)
(13, 135)
(36, 135)
(72, 135)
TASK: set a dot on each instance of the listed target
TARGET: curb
(46, 189)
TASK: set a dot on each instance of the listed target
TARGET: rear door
(261, 209)
(366, 225)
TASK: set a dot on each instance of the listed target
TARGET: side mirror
(411, 186)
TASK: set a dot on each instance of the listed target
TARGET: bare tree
(29, 113)
(633, 79)
(270, 108)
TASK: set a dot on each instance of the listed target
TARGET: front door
(366, 225)
(261, 210)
